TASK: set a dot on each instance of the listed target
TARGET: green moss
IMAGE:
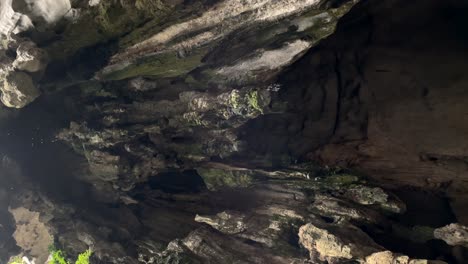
(219, 178)
(194, 119)
(164, 65)
(234, 99)
(83, 258)
(4, 43)
(341, 179)
(58, 257)
(253, 99)
(16, 260)
(108, 20)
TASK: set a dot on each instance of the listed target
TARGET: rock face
(18, 90)
(453, 234)
(367, 103)
(31, 234)
(231, 131)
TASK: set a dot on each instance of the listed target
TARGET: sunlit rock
(334, 243)
(226, 222)
(31, 234)
(30, 58)
(18, 90)
(388, 257)
(453, 234)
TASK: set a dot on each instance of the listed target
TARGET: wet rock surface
(233, 131)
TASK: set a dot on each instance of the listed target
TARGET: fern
(58, 257)
(83, 258)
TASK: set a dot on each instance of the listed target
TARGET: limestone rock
(374, 195)
(30, 58)
(194, 117)
(388, 257)
(31, 233)
(8, 18)
(340, 209)
(221, 178)
(453, 234)
(43, 12)
(335, 243)
(226, 222)
(18, 90)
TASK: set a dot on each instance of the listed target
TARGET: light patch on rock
(258, 10)
(94, 2)
(308, 22)
(388, 257)
(29, 57)
(226, 222)
(336, 242)
(278, 211)
(267, 60)
(8, 18)
(453, 234)
(326, 244)
(18, 90)
(337, 208)
(275, 225)
(49, 11)
(31, 234)
(366, 195)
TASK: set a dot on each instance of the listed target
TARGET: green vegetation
(59, 257)
(107, 20)
(234, 99)
(248, 102)
(253, 98)
(83, 258)
(216, 179)
(16, 260)
(164, 65)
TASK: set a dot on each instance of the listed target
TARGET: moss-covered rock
(216, 179)
(106, 21)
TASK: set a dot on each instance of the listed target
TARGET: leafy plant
(83, 258)
(16, 260)
(59, 257)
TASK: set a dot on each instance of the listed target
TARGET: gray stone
(18, 90)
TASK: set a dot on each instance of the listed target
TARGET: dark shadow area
(424, 210)
(28, 137)
(176, 182)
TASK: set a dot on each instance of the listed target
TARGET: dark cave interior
(383, 97)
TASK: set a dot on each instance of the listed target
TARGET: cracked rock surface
(234, 131)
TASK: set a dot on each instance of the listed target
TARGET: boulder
(18, 90)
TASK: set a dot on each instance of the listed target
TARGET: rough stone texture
(453, 234)
(229, 223)
(388, 257)
(366, 102)
(30, 58)
(190, 128)
(265, 227)
(335, 243)
(18, 90)
(31, 234)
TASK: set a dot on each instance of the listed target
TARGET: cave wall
(272, 148)
(385, 95)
